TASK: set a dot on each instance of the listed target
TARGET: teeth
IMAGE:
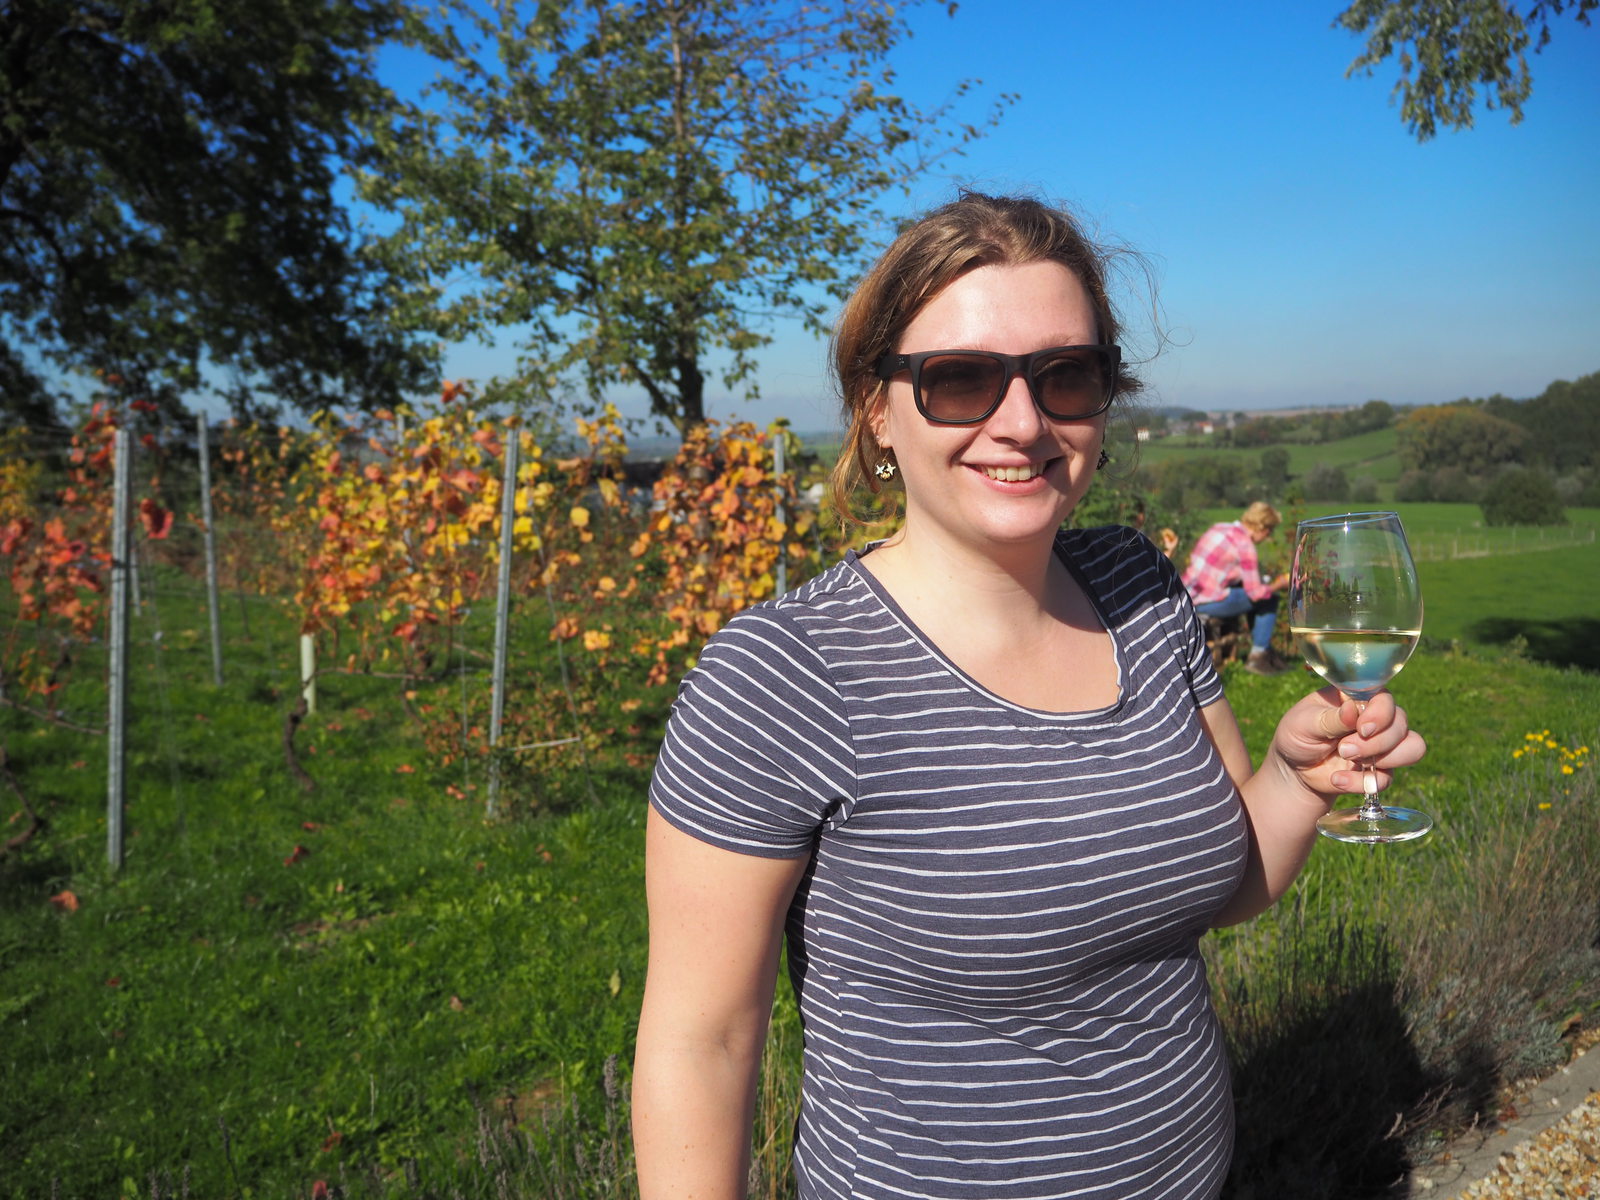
(1013, 474)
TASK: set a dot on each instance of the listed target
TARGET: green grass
(360, 986)
(1367, 454)
(337, 1011)
(1488, 586)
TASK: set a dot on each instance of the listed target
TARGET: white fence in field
(1484, 543)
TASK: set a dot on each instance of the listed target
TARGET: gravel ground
(1562, 1161)
(1549, 1151)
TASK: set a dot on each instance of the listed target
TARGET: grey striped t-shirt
(995, 947)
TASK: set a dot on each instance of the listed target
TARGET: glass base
(1395, 825)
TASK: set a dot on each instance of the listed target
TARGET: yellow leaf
(615, 982)
(580, 516)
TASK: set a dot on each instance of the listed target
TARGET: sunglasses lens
(960, 387)
(1072, 384)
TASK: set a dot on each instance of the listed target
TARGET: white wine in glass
(1356, 608)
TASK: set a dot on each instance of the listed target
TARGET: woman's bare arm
(1305, 768)
(716, 925)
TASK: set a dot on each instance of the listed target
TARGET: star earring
(885, 469)
(1100, 465)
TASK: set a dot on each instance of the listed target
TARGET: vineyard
(397, 542)
(330, 967)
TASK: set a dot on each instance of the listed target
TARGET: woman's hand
(1326, 739)
(1316, 754)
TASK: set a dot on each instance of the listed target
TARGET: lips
(1013, 474)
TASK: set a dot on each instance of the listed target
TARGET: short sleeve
(757, 755)
(1204, 684)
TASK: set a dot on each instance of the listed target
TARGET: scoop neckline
(853, 559)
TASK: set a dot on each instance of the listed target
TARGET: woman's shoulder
(1107, 542)
(1119, 560)
(790, 626)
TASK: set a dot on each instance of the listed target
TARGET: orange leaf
(157, 520)
(66, 901)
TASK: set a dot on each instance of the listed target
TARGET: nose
(1018, 418)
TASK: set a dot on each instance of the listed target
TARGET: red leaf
(296, 855)
(157, 520)
(65, 901)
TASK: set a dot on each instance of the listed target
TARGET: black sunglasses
(963, 387)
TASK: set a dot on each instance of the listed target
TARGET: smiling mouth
(1014, 474)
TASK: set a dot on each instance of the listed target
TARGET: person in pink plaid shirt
(1224, 580)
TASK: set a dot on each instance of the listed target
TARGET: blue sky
(1306, 248)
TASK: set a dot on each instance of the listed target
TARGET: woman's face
(1014, 477)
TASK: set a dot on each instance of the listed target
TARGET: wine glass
(1356, 607)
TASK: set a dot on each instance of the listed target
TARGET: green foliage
(1562, 424)
(1457, 435)
(1454, 47)
(1327, 482)
(1522, 496)
(356, 962)
(645, 185)
(166, 196)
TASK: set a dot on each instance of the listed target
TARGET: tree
(167, 170)
(1455, 46)
(1274, 470)
(1522, 496)
(645, 184)
(1563, 423)
(1327, 482)
(1456, 435)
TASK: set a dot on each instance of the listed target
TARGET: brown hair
(973, 231)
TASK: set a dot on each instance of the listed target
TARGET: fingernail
(1347, 751)
(1341, 780)
(1368, 728)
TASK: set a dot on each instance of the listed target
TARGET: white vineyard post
(308, 671)
(211, 551)
(783, 519)
(117, 715)
(502, 614)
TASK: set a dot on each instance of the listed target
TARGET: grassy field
(1369, 454)
(373, 984)
(1489, 586)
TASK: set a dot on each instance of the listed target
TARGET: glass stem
(1371, 810)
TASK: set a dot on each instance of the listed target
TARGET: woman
(1224, 580)
(983, 779)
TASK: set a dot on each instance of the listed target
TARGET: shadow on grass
(1569, 642)
(1324, 1104)
(27, 880)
